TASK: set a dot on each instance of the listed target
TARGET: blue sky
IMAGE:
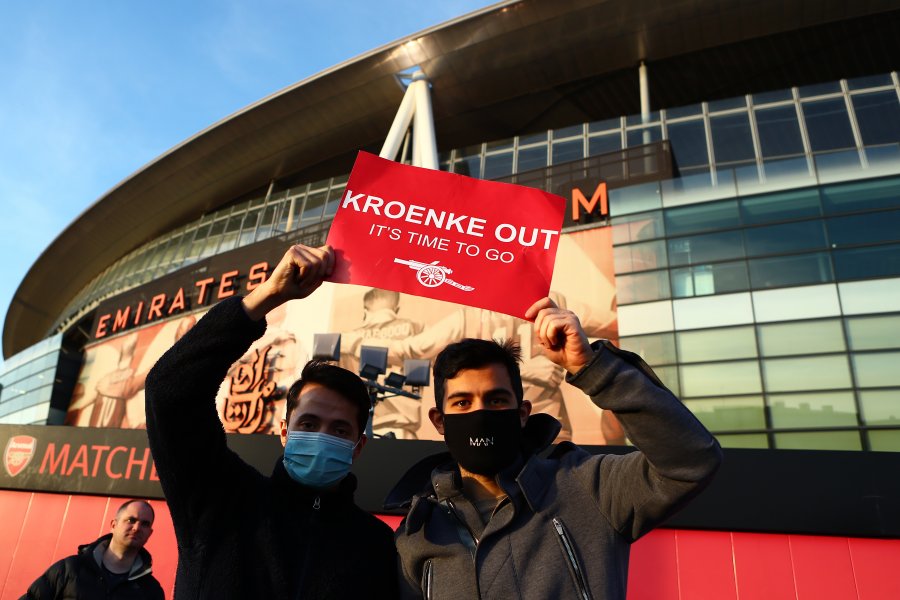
(92, 91)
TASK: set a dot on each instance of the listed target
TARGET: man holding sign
(498, 519)
(241, 534)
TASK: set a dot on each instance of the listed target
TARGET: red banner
(444, 236)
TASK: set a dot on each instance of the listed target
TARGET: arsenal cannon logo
(432, 274)
(18, 453)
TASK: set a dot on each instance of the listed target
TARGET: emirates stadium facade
(751, 156)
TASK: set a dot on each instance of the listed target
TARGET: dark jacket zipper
(573, 562)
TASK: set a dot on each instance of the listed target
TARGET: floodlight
(394, 380)
(372, 361)
(418, 372)
(327, 346)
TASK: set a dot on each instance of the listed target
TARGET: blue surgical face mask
(317, 460)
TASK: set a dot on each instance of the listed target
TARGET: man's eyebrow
(309, 416)
(341, 422)
(497, 391)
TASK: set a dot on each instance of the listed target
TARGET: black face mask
(484, 441)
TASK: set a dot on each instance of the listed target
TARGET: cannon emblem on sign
(432, 274)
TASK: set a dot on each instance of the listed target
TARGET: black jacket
(80, 576)
(241, 534)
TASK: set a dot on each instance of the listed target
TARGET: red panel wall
(37, 529)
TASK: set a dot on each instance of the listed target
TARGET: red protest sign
(444, 236)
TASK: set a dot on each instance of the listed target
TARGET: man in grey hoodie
(500, 518)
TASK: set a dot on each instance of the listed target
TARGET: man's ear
(284, 431)
(360, 445)
(437, 419)
(524, 411)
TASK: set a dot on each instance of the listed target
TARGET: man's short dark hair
(128, 503)
(472, 353)
(336, 379)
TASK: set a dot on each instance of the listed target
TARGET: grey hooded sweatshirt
(567, 524)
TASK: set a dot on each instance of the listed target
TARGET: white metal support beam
(415, 110)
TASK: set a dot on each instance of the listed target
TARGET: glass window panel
(498, 165)
(878, 117)
(248, 230)
(468, 161)
(564, 152)
(729, 414)
(266, 222)
(809, 373)
(819, 89)
(870, 228)
(335, 195)
(731, 138)
(684, 111)
(603, 144)
(570, 131)
(669, 377)
(796, 204)
(756, 440)
(702, 280)
(873, 333)
(688, 141)
(807, 269)
(532, 138)
(312, 210)
(785, 238)
(813, 410)
(506, 144)
(605, 125)
(884, 441)
(642, 287)
(633, 228)
(638, 119)
(801, 337)
(867, 263)
(869, 81)
(779, 131)
(773, 96)
(852, 197)
(727, 104)
(655, 349)
(639, 257)
(209, 247)
(880, 407)
(645, 135)
(720, 378)
(716, 344)
(828, 125)
(878, 369)
(532, 158)
(818, 440)
(702, 217)
(786, 169)
(705, 248)
(883, 155)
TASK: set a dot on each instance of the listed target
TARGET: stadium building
(732, 177)
(751, 154)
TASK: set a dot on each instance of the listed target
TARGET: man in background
(116, 566)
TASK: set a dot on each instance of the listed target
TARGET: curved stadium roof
(511, 68)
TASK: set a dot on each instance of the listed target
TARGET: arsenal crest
(18, 453)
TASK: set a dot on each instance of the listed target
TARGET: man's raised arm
(186, 436)
(678, 455)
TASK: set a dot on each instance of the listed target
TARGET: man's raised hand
(299, 273)
(561, 335)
